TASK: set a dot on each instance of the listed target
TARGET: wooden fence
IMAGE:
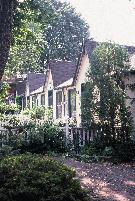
(79, 135)
(76, 135)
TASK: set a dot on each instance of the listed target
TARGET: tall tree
(48, 29)
(65, 34)
(27, 43)
(108, 109)
(6, 13)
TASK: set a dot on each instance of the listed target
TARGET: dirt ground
(105, 181)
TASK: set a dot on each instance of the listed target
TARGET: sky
(109, 20)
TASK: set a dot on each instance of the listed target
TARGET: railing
(77, 136)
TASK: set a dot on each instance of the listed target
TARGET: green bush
(125, 152)
(89, 150)
(38, 112)
(108, 151)
(43, 138)
(94, 148)
(5, 150)
(35, 178)
(119, 152)
(36, 138)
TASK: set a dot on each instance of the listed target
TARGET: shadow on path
(105, 182)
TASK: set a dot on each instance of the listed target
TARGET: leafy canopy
(44, 30)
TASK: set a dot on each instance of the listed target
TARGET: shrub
(94, 148)
(108, 151)
(119, 152)
(36, 138)
(38, 112)
(43, 138)
(5, 150)
(125, 152)
(35, 178)
(89, 150)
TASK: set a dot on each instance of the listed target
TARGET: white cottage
(62, 86)
(67, 79)
(59, 77)
(34, 89)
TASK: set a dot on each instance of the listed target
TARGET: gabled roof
(65, 84)
(89, 47)
(61, 71)
(37, 91)
(35, 81)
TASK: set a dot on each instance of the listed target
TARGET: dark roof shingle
(35, 81)
(61, 71)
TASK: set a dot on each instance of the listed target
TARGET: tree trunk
(6, 12)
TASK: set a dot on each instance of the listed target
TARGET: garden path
(105, 181)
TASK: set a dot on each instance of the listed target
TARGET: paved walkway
(106, 182)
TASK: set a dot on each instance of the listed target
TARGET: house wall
(81, 78)
(49, 86)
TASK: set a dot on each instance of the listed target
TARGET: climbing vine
(103, 102)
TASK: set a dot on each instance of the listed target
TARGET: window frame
(71, 107)
(34, 100)
(59, 104)
(42, 100)
(50, 98)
